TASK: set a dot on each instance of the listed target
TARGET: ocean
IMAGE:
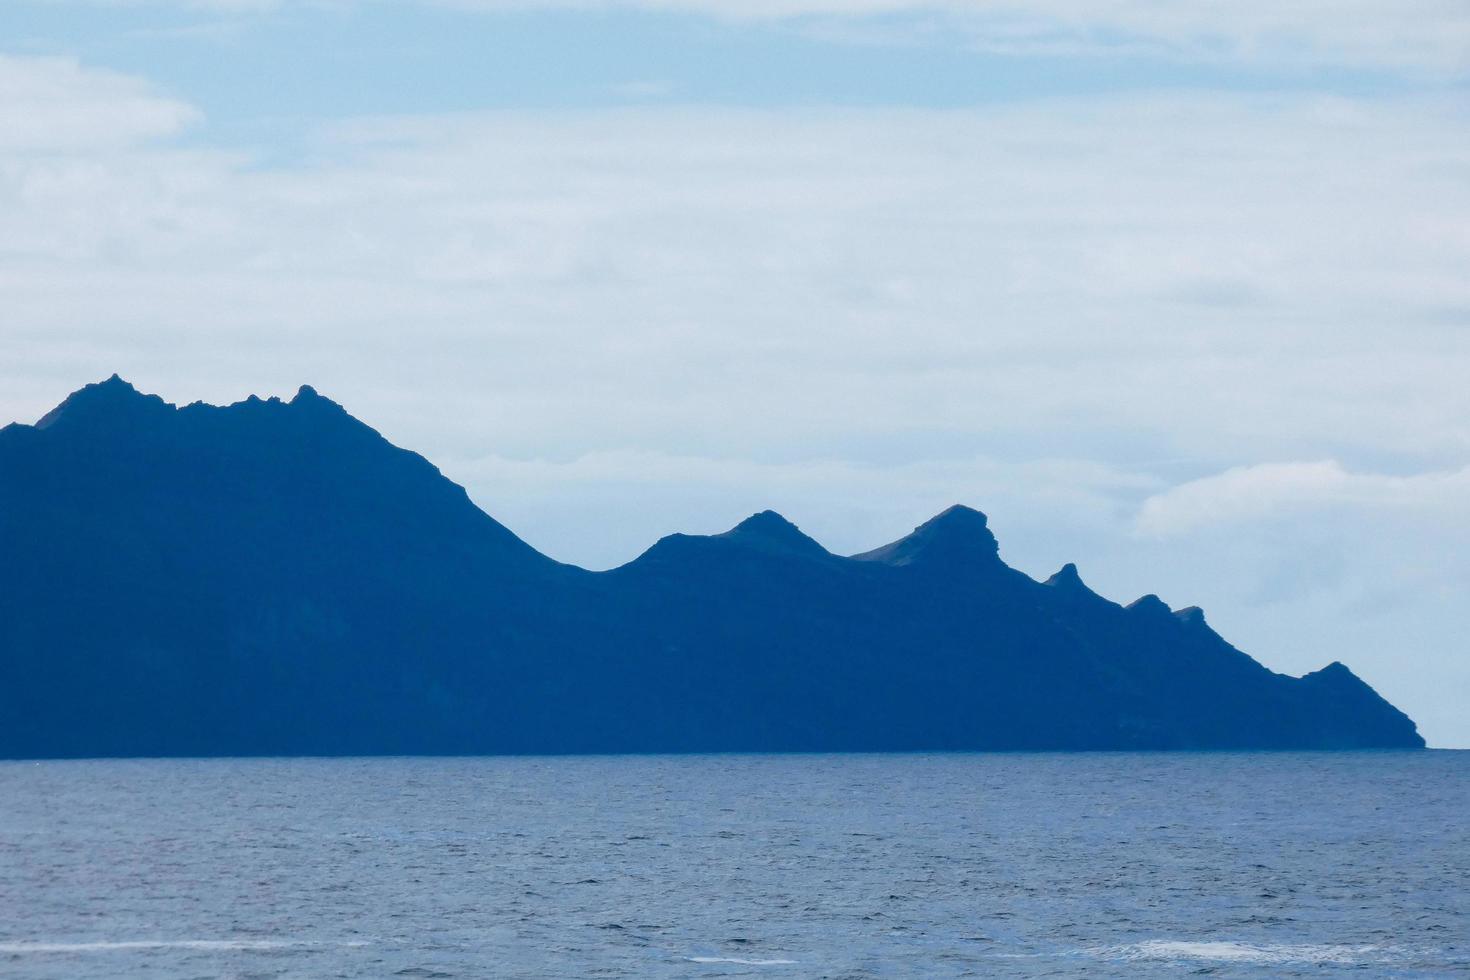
(843, 866)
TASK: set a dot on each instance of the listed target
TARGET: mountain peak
(1336, 673)
(1069, 591)
(958, 533)
(956, 516)
(1150, 605)
(322, 411)
(766, 532)
(109, 401)
(308, 397)
(770, 529)
(1191, 616)
(1066, 577)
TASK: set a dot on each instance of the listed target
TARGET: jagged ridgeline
(276, 578)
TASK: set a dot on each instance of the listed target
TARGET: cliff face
(275, 578)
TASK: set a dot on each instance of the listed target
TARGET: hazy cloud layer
(1427, 35)
(1129, 330)
(1267, 490)
(1422, 36)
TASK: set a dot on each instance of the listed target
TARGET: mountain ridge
(275, 577)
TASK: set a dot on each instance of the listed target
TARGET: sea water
(1139, 865)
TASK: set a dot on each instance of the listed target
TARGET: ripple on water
(1259, 866)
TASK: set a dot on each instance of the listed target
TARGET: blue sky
(248, 64)
(1178, 292)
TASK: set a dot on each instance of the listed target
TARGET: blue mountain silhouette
(275, 578)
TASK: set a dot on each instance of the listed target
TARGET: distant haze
(1183, 296)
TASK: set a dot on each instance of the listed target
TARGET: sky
(1179, 292)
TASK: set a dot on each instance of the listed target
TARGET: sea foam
(1225, 951)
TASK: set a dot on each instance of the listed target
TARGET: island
(275, 578)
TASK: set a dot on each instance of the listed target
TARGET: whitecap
(739, 960)
(1225, 951)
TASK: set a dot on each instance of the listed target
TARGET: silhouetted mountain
(276, 578)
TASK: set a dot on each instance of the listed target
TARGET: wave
(1225, 951)
(739, 960)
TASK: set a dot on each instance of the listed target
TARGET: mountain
(275, 578)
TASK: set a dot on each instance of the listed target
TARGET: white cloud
(1423, 36)
(1268, 490)
(54, 104)
(1195, 269)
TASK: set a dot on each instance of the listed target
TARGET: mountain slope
(276, 578)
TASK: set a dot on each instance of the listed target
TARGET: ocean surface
(1250, 865)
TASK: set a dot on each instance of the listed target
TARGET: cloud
(56, 105)
(1156, 277)
(1430, 36)
(1268, 490)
